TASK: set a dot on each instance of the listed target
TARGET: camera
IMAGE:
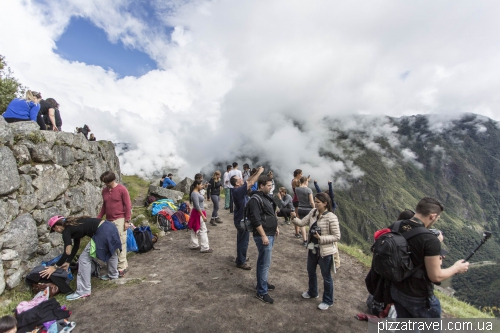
(436, 232)
(315, 229)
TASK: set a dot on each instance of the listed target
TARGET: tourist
(25, 109)
(246, 172)
(227, 187)
(197, 219)
(213, 193)
(284, 202)
(168, 183)
(48, 109)
(306, 202)
(297, 174)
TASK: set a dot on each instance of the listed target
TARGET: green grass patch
(136, 186)
(357, 253)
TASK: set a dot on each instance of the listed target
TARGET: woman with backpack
(306, 202)
(324, 231)
(105, 245)
(197, 219)
(213, 192)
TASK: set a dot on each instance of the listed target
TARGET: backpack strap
(409, 234)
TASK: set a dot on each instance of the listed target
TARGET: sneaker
(207, 251)
(218, 220)
(195, 248)
(122, 272)
(265, 298)
(270, 287)
(245, 266)
(304, 243)
(323, 306)
(307, 296)
(297, 236)
(74, 296)
(106, 277)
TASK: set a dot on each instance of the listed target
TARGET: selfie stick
(486, 235)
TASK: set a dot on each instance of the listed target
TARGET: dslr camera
(436, 232)
(315, 229)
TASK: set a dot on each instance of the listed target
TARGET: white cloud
(235, 78)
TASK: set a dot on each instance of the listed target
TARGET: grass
(451, 305)
(136, 186)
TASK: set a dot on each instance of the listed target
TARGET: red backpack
(165, 221)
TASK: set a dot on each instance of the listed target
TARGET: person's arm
(318, 190)
(127, 205)
(332, 195)
(334, 233)
(196, 203)
(438, 274)
(311, 199)
(173, 183)
(305, 221)
(252, 179)
(35, 108)
(52, 117)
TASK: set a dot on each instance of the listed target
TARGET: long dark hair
(195, 183)
(324, 198)
(70, 221)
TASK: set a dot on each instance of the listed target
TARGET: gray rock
(9, 209)
(44, 248)
(10, 271)
(54, 238)
(27, 143)
(89, 174)
(184, 185)
(107, 149)
(76, 172)
(6, 136)
(50, 137)
(93, 199)
(28, 202)
(37, 215)
(52, 181)
(65, 138)
(22, 154)
(2, 277)
(9, 254)
(21, 235)
(42, 230)
(54, 252)
(13, 264)
(161, 192)
(57, 208)
(80, 142)
(63, 155)
(9, 178)
(25, 169)
(42, 153)
(98, 167)
(76, 199)
(26, 187)
(24, 128)
(14, 280)
(79, 154)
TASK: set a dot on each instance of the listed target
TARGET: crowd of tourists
(45, 112)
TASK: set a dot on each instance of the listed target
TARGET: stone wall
(44, 173)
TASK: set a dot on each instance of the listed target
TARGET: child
(8, 324)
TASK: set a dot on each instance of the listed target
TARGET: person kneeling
(324, 231)
(105, 245)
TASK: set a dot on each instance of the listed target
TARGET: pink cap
(53, 220)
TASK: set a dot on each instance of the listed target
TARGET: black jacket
(213, 187)
(262, 213)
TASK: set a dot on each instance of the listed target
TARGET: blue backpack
(178, 225)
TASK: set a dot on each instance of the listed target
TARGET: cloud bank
(250, 78)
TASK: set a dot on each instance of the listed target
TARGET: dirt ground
(175, 289)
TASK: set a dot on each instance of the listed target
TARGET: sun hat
(53, 221)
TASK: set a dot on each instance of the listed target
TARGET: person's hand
(47, 272)
(461, 266)
(315, 181)
(265, 241)
(316, 235)
(65, 266)
(204, 218)
(329, 182)
(55, 129)
(126, 225)
(260, 169)
(440, 237)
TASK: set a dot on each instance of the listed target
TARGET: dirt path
(175, 289)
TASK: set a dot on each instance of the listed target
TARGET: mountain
(453, 160)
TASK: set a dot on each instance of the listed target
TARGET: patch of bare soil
(175, 289)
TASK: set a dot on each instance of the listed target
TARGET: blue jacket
(107, 241)
(22, 109)
(330, 193)
(168, 182)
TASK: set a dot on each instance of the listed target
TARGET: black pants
(284, 212)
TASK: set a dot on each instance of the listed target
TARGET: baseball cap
(53, 221)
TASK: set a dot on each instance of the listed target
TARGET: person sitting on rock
(92, 137)
(85, 130)
(105, 245)
(168, 183)
(51, 116)
(25, 109)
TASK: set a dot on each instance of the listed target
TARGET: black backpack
(391, 254)
(95, 268)
(143, 240)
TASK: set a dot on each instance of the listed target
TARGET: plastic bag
(131, 243)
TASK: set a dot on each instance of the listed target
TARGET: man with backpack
(240, 190)
(419, 250)
(261, 212)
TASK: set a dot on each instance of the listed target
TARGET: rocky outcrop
(184, 185)
(161, 193)
(44, 173)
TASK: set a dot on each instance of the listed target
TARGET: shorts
(295, 204)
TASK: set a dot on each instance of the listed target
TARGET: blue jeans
(263, 263)
(215, 201)
(242, 238)
(325, 265)
(415, 307)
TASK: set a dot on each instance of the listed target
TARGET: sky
(189, 83)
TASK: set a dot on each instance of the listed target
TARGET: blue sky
(83, 41)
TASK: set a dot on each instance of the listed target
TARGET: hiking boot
(195, 248)
(212, 222)
(106, 277)
(298, 236)
(307, 296)
(218, 220)
(245, 266)
(304, 243)
(265, 298)
(122, 272)
(75, 296)
(270, 287)
(323, 306)
(207, 251)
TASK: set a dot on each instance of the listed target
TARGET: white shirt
(234, 172)
(226, 180)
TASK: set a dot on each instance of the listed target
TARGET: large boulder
(161, 192)
(9, 177)
(107, 149)
(63, 155)
(41, 153)
(25, 129)
(75, 199)
(51, 181)
(80, 142)
(2, 278)
(21, 153)
(6, 136)
(76, 172)
(21, 235)
(8, 211)
(92, 199)
(184, 185)
(26, 187)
